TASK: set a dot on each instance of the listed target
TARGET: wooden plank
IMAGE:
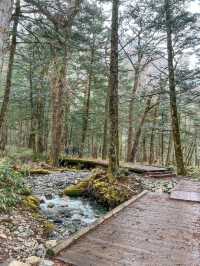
(153, 230)
(91, 163)
(66, 243)
(185, 195)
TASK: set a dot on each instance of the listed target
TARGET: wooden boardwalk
(137, 168)
(152, 231)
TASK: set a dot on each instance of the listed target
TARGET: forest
(103, 89)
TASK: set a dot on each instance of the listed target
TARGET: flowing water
(68, 214)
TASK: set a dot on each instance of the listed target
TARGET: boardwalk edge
(68, 242)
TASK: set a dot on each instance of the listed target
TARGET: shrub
(11, 187)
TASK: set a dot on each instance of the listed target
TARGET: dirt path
(154, 230)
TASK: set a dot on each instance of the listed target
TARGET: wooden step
(167, 175)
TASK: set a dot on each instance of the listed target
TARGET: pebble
(3, 236)
(46, 263)
(50, 244)
(18, 263)
(40, 251)
(33, 260)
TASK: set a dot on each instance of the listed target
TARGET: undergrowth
(12, 187)
(194, 172)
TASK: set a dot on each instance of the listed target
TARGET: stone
(18, 263)
(33, 260)
(50, 244)
(3, 236)
(24, 232)
(51, 205)
(40, 251)
(6, 219)
(48, 196)
(46, 263)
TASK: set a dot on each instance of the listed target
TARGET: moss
(50, 253)
(40, 171)
(77, 190)
(109, 193)
(48, 227)
(31, 202)
(112, 191)
(26, 191)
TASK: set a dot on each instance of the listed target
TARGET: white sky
(195, 6)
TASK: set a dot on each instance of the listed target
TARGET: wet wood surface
(186, 190)
(90, 163)
(153, 231)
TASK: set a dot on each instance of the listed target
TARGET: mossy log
(81, 163)
(40, 171)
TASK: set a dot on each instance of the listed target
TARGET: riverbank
(25, 233)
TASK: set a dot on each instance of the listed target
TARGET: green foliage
(16, 154)
(31, 202)
(194, 172)
(11, 187)
(48, 227)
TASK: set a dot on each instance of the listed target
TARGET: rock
(48, 196)
(51, 205)
(40, 251)
(24, 232)
(50, 244)
(58, 221)
(3, 236)
(33, 260)
(46, 263)
(17, 263)
(6, 219)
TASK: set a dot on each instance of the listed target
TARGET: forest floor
(24, 233)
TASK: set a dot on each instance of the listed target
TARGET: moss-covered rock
(108, 192)
(48, 227)
(31, 202)
(77, 190)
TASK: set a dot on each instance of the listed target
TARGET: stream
(68, 214)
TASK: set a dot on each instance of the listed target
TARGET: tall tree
(5, 18)
(172, 89)
(113, 93)
(13, 45)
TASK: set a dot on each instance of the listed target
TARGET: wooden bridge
(146, 170)
(150, 230)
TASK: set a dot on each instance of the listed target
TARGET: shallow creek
(68, 214)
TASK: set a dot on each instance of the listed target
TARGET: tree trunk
(57, 109)
(144, 159)
(113, 94)
(40, 117)
(172, 87)
(130, 115)
(32, 136)
(13, 45)
(152, 138)
(3, 136)
(87, 105)
(105, 130)
(139, 131)
(169, 150)
(5, 18)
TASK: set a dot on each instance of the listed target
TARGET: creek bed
(68, 214)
